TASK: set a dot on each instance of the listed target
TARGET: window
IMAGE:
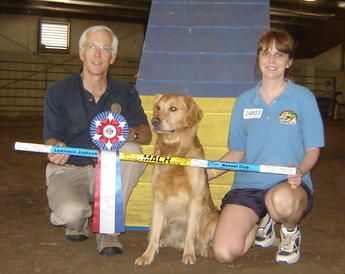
(54, 36)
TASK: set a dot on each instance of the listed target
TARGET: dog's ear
(156, 98)
(194, 110)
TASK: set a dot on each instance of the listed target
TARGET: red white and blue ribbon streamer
(108, 207)
(109, 131)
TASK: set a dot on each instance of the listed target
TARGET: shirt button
(268, 118)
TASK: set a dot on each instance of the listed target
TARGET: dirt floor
(30, 244)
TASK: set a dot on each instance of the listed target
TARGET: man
(70, 106)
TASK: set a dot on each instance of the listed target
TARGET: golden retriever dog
(183, 215)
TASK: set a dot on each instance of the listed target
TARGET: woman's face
(273, 63)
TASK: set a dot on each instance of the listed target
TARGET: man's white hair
(83, 37)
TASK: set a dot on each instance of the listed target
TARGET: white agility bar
(157, 159)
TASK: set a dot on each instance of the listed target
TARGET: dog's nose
(155, 121)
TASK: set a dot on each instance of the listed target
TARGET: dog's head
(174, 112)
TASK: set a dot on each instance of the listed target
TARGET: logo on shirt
(115, 108)
(288, 117)
(252, 113)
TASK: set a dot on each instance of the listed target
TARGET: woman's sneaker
(265, 235)
(288, 251)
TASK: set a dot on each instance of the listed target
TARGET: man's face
(96, 53)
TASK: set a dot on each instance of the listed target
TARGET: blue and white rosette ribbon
(108, 131)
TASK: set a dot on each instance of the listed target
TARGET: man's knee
(71, 214)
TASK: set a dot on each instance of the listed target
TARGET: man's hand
(58, 159)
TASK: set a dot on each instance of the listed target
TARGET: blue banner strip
(119, 211)
(233, 166)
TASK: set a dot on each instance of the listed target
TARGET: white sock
(289, 230)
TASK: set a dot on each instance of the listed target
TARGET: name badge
(252, 113)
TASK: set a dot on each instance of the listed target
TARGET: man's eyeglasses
(93, 48)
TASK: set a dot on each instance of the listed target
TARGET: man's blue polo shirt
(274, 134)
(69, 110)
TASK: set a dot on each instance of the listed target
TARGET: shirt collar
(287, 92)
(105, 94)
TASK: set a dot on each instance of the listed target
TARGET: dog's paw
(143, 260)
(188, 259)
(163, 243)
(207, 253)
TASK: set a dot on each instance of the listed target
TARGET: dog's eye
(158, 108)
(173, 108)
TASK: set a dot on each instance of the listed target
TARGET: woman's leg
(235, 232)
(286, 204)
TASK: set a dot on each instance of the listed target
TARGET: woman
(275, 123)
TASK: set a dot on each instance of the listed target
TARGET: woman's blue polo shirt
(274, 134)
